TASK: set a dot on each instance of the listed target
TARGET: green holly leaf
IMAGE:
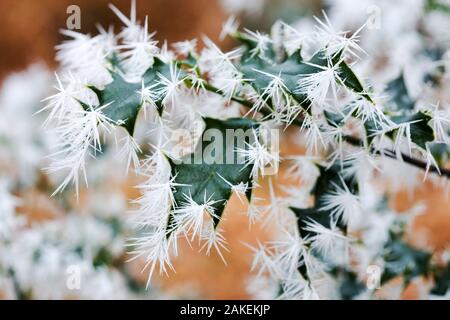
(114, 61)
(421, 132)
(441, 278)
(325, 184)
(124, 98)
(124, 102)
(153, 76)
(293, 67)
(371, 129)
(337, 119)
(328, 179)
(440, 152)
(191, 61)
(403, 260)
(437, 5)
(403, 104)
(103, 258)
(292, 70)
(251, 45)
(204, 174)
(351, 81)
(312, 214)
(399, 96)
(433, 77)
(350, 286)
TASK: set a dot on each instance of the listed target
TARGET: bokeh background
(29, 31)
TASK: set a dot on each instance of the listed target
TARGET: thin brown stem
(404, 157)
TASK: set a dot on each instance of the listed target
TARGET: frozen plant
(49, 249)
(292, 78)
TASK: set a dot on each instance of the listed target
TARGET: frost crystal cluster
(166, 104)
(53, 248)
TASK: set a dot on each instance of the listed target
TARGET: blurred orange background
(28, 34)
(29, 29)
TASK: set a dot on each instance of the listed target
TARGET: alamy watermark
(73, 21)
(73, 280)
(373, 281)
(227, 147)
(374, 19)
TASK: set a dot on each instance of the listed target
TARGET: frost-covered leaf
(329, 178)
(440, 152)
(292, 70)
(125, 98)
(441, 279)
(433, 77)
(403, 260)
(350, 286)
(437, 5)
(399, 96)
(421, 132)
(326, 183)
(312, 214)
(351, 81)
(124, 102)
(204, 176)
(337, 118)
